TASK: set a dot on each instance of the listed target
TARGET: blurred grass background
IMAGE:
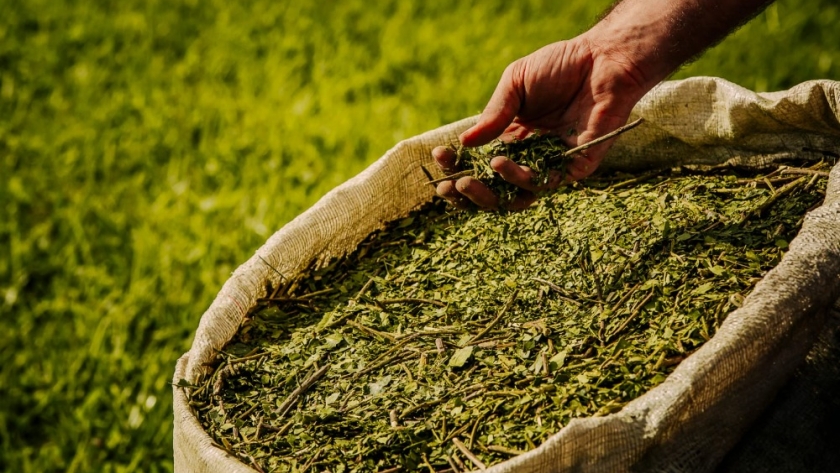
(149, 147)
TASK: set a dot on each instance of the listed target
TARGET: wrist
(638, 47)
(655, 37)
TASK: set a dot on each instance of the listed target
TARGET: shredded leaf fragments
(453, 341)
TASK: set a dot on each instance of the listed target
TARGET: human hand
(574, 89)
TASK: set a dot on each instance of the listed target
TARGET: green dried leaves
(542, 153)
(494, 329)
(460, 357)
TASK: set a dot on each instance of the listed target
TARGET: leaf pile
(451, 341)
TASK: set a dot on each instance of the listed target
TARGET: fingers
(500, 111)
(586, 162)
(523, 176)
(520, 176)
(447, 190)
(598, 123)
(477, 192)
(445, 159)
(467, 190)
(485, 199)
(522, 201)
(582, 166)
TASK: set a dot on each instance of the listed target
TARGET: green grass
(149, 147)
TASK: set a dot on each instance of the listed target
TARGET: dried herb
(543, 153)
(451, 341)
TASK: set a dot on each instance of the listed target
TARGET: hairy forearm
(655, 37)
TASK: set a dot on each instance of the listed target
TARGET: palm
(546, 87)
(564, 88)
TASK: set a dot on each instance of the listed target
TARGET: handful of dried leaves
(540, 152)
(452, 341)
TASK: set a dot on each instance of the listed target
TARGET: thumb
(500, 111)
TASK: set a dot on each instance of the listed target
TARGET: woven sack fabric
(691, 420)
(799, 432)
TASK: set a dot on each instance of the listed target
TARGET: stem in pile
(290, 401)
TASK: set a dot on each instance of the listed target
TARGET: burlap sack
(694, 418)
(800, 431)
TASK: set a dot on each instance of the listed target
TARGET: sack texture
(697, 415)
(798, 433)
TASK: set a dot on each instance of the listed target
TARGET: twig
(457, 432)
(458, 462)
(805, 172)
(776, 172)
(307, 383)
(491, 342)
(606, 137)
(409, 300)
(370, 331)
(557, 289)
(467, 453)
(451, 247)
(632, 316)
(427, 464)
(452, 464)
(341, 320)
(279, 430)
(254, 464)
(505, 450)
(364, 288)
(610, 359)
(302, 298)
(428, 332)
(624, 298)
(426, 172)
(247, 358)
(783, 191)
(809, 185)
(312, 460)
(545, 363)
(450, 177)
(299, 300)
(493, 322)
(272, 267)
(635, 180)
(421, 406)
(399, 357)
(506, 393)
(756, 181)
(224, 373)
(450, 276)
(248, 412)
